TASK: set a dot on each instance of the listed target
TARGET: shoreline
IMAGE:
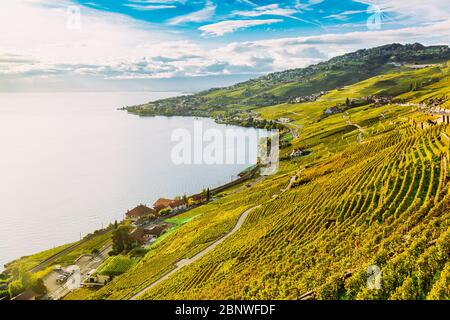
(247, 175)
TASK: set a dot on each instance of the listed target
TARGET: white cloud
(272, 9)
(39, 30)
(158, 1)
(417, 11)
(344, 15)
(306, 4)
(220, 28)
(295, 52)
(198, 16)
(150, 7)
(250, 3)
(116, 47)
(275, 10)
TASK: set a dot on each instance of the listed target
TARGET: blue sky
(192, 45)
(293, 17)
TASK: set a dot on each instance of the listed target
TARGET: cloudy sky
(191, 45)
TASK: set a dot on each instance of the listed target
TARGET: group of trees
(122, 239)
(24, 281)
(206, 194)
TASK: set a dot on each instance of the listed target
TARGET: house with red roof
(177, 205)
(142, 236)
(162, 203)
(139, 212)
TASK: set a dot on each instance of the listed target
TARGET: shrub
(4, 293)
(112, 253)
(164, 212)
(138, 252)
(39, 287)
(15, 288)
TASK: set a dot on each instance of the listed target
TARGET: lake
(71, 163)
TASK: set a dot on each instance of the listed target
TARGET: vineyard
(372, 193)
(389, 210)
(115, 265)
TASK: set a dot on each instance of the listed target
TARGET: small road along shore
(85, 263)
(182, 263)
(52, 258)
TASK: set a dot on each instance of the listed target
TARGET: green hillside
(284, 86)
(373, 191)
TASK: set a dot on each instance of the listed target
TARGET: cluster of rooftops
(144, 235)
(173, 205)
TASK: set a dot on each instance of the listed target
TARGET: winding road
(185, 262)
(182, 263)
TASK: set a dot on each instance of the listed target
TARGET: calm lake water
(71, 162)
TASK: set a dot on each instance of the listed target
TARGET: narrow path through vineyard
(182, 263)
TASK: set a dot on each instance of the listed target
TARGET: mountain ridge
(283, 86)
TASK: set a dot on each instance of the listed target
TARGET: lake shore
(102, 167)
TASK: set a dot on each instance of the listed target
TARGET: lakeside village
(149, 223)
(107, 253)
(146, 224)
(99, 257)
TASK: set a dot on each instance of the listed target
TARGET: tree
(208, 194)
(15, 287)
(122, 239)
(25, 277)
(25, 281)
(165, 211)
(203, 194)
(347, 102)
(39, 286)
(115, 224)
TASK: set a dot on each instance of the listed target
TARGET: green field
(116, 265)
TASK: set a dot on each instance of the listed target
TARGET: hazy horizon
(174, 45)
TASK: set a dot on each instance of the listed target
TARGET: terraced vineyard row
(364, 206)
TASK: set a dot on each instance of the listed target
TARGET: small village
(377, 101)
(142, 226)
(139, 229)
(310, 98)
(149, 222)
(124, 244)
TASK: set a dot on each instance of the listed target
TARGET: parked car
(61, 279)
